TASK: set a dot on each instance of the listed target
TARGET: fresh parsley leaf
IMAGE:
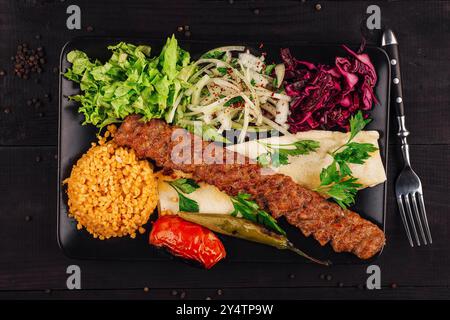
(329, 175)
(213, 55)
(223, 71)
(186, 204)
(344, 169)
(337, 180)
(253, 82)
(279, 153)
(357, 123)
(344, 192)
(301, 147)
(269, 69)
(185, 185)
(279, 158)
(264, 159)
(355, 153)
(251, 211)
(234, 100)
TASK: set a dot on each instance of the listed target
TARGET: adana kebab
(279, 194)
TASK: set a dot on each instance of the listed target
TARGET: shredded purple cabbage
(325, 97)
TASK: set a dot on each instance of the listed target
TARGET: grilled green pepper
(244, 229)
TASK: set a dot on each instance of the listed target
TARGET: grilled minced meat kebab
(311, 213)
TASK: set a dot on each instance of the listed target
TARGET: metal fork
(408, 188)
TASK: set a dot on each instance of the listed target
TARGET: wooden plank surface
(30, 260)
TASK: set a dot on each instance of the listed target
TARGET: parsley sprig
(277, 154)
(213, 55)
(181, 186)
(251, 211)
(337, 180)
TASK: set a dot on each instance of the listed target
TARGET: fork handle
(390, 44)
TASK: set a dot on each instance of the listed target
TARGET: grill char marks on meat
(277, 193)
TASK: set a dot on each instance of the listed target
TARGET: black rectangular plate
(75, 139)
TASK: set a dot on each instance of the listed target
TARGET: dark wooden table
(33, 266)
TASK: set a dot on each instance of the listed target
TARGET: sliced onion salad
(230, 88)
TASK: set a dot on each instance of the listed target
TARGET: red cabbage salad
(327, 96)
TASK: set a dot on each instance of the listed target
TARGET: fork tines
(408, 204)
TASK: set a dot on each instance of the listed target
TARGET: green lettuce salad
(130, 82)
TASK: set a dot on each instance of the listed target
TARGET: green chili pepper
(244, 229)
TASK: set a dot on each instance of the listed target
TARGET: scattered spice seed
(182, 295)
(37, 37)
(256, 11)
(27, 61)
(41, 114)
(174, 292)
(180, 29)
(208, 298)
(187, 34)
(146, 289)
(7, 110)
(27, 218)
(186, 27)
(340, 284)
(38, 159)
(219, 292)
(322, 276)
(394, 285)
(329, 277)
(2, 73)
(318, 7)
(292, 276)
(90, 28)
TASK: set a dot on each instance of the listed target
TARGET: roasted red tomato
(187, 240)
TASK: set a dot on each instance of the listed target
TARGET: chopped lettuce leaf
(130, 82)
